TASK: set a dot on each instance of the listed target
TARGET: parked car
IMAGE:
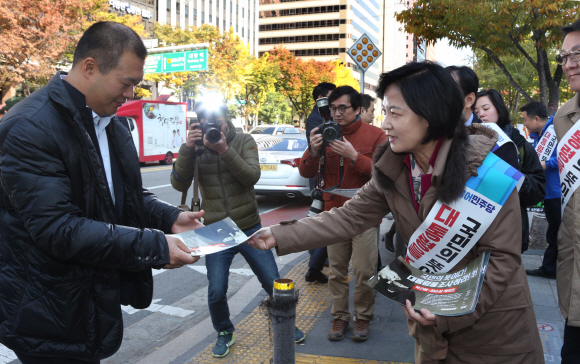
(279, 130)
(279, 159)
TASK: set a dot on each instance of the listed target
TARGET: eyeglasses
(562, 58)
(340, 109)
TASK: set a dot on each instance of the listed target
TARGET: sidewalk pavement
(389, 340)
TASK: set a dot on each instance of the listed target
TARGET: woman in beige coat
(423, 120)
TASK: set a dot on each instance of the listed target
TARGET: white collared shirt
(468, 122)
(101, 123)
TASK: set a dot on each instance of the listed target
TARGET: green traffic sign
(195, 60)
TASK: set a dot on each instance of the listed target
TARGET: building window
(177, 7)
(242, 32)
(302, 11)
(236, 28)
(186, 11)
(217, 21)
(303, 25)
(242, 11)
(224, 24)
(210, 18)
(202, 17)
(217, 4)
(315, 52)
(168, 5)
(302, 39)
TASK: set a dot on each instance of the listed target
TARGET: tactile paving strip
(253, 343)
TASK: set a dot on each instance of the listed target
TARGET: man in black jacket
(79, 233)
(315, 119)
(468, 83)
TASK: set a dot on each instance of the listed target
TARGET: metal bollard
(282, 313)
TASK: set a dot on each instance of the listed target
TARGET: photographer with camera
(347, 145)
(228, 170)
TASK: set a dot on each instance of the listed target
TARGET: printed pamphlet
(446, 294)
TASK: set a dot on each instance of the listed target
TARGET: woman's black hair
(432, 93)
(497, 101)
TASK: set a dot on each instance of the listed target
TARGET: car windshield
(291, 131)
(282, 145)
(263, 130)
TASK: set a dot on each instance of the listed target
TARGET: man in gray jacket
(228, 171)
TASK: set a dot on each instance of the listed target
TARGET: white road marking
(6, 355)
(276, 208)
(240, 271)
(154, 307)
(155, 187)
(158, 271)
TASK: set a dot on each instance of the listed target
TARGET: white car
(279, 159)
(282, 131)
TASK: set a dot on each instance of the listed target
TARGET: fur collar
(457, 160)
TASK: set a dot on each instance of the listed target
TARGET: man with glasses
(347, 162)
(568, 268)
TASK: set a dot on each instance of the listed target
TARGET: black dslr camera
(330, 130)
(212, 130)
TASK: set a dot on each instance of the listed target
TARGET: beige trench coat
(502, 329)
(568, 269)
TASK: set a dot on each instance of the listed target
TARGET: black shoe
(389, 244)
(540, 272)
(316, 276)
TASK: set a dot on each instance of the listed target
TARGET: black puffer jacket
(65, 268)
(533, 189)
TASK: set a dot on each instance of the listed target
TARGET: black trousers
(571, 348)
(317, 258)
(552, 208)
(27, 359)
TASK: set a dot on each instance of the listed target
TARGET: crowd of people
(80, 235)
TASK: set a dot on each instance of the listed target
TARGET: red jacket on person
(364, 138)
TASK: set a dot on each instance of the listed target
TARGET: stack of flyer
(447, 294)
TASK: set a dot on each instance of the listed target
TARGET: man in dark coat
(319, 256)
(79, 233)
(468, 83)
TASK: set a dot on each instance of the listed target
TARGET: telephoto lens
(212, 131)
(317, 203)
(213, 136)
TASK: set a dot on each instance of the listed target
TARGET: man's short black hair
(354, 96)
(466, 77)
(497, 101)
(367, 100)
(106, 42)
(574, 27)
(322, 89)
(206, 111)
(535, 108)
(431, 92)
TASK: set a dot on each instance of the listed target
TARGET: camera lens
(329, 134)
(213, 135)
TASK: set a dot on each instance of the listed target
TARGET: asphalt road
(180, 295)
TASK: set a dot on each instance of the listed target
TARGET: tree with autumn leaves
(236, 74)
(39, 36)
(502, 29)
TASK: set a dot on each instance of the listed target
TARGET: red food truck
(158, 128)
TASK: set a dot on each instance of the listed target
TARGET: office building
(322, 29)
(239, 15)
(145, 8)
